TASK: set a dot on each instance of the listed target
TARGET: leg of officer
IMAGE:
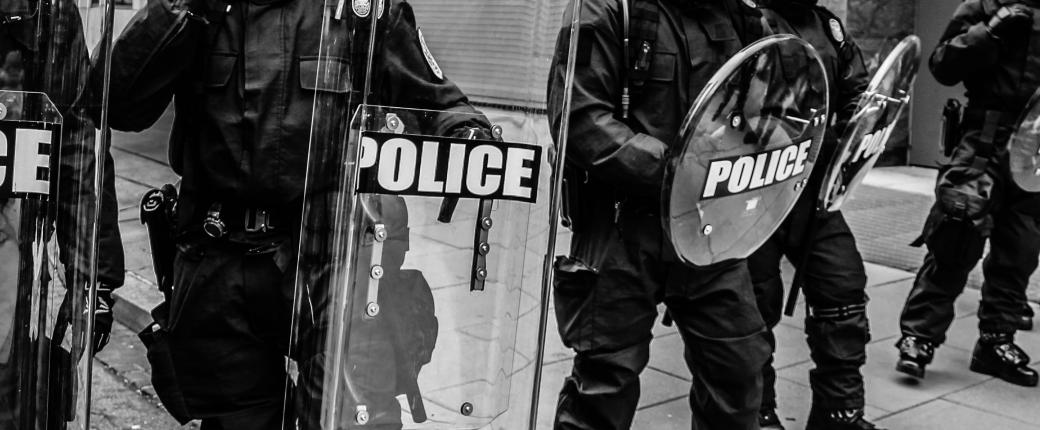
(231, 335)
(606, 308)
(764, 265)
(953, 250)
(1014, 249)
(836, 324)
(714, 309)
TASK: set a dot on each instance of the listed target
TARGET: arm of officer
(157, 46)
(852, 82)
(966, 48)
(598, 141)
(415, 80)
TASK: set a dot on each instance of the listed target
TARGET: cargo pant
(834, 285)
(606, 296)
(955, 247)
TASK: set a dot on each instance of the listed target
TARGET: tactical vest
(640, 21)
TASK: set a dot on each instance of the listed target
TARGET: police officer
(990, 47)
(621, 265)
(42, 49)
(834, 280)
(243, 99)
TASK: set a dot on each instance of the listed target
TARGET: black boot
(914, 354)
(844, 419)
(996, 354)
(768, 420)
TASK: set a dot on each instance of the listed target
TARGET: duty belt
(224, 218)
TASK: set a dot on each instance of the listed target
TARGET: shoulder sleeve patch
(430, 61)
(837, 32)
(361, 7)
(751, 4)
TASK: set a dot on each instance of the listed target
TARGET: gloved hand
(1010, 21)
(103, 318)
(470, 132)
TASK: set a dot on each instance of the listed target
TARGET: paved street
(886, 216)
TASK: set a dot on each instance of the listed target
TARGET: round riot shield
(417, 303)
(1024, 148)
(51, 171)
(745, 151)
(871, 124)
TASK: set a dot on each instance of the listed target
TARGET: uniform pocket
(221, 65)
(331, 74)
(573, 285)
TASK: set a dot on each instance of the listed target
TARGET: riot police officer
(621, 265)
(989, 47)
(244, 77)
(834, 283)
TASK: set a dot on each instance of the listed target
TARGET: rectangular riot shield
(51, 170)
(419, 290)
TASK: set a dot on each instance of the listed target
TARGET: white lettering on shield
(741, 174)
(27, 169)
(872, 145)
(435, 166)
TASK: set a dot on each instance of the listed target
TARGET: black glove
(1010, 21)
(103, 317)
(470, 132)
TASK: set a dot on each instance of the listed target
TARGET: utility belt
(224, 218)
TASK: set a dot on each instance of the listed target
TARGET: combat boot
(842, 419)
(914, 354)
(997, 355)
(768, 420)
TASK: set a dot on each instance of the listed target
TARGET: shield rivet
(481, 273)
(3, 111)
(484, 248)
(380, 232)
(736, 121)
(372, 309)
(1037, 172)
(707, 230)
(376, 272)
(361, 416)
(486, 223)
(393, 123)
(466, 409)
(496, 131)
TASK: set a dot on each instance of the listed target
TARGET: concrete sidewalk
(885, 216)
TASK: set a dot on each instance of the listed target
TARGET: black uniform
(836, 323)
(244, 103)
(621, 264)
(999, 74)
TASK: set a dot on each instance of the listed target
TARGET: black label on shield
(448, 167)
(750, 172)
(25, 158)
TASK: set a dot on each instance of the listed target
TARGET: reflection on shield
(50, 176)
(1024, 148)
(871, 124)
(745, 151)
(417, 300)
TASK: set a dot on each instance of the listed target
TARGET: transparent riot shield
(871, 124)
(418, 297)
(1024, 148)
(745, 151)
(51, 166)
